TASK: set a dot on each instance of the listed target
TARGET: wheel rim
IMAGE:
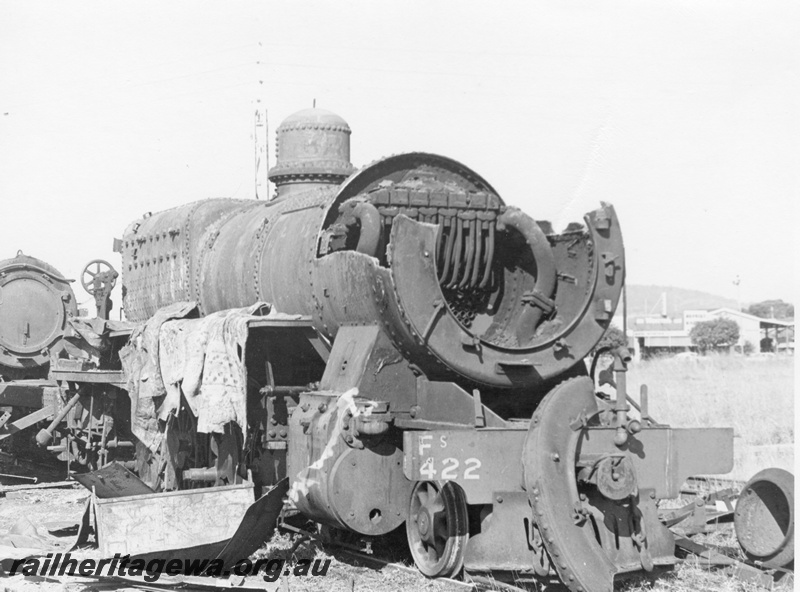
(437, 528)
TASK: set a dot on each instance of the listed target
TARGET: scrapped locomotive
(402, 348)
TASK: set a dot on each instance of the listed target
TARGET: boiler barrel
(416, 243)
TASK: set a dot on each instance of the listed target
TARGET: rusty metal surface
(501, 354)
(256, 526)
(163, 521)
(24, 393)
(506, 540)
(764, 518)
(663, 457)
(327, 455)
(113, 480)
(36, 302)
(481, 461)
(439, 319)
(115, 377)
(253, 529)
(629, 536)
(312, 146)
(489, 310)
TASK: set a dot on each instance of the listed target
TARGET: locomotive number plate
(481, 461)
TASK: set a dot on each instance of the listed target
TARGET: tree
(613, 337)
(772, 309)
(714, 334)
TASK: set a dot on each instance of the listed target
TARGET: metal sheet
(665, 457)
(257, 525)
(255, 528)
(173, 520)
(23, 393)
(503, 543)
(94, 376)
(111, 481)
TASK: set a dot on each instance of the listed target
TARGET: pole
(260, 135)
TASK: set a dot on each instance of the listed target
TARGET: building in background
(659, 334)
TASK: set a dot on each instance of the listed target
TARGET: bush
(714, 334)
(613, 337)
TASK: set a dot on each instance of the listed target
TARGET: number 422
(449, 470)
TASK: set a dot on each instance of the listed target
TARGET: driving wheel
(437, 528)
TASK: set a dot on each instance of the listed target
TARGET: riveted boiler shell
(296, 254)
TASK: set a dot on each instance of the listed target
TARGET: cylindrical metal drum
(418, 243)
(36, 302)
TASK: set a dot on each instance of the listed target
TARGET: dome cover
(312, 146)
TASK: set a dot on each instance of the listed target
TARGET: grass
(753, 395)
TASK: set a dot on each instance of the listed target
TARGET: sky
(682, 114)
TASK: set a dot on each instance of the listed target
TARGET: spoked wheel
(437, 528)
(97, 275)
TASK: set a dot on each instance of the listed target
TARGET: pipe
(470, 254)
(370, 233)
(44, 436)
(542, 254)
(487, 270)
(448, 251)
(457, 256)
(476, 269)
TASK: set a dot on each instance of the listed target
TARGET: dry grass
(753, 395)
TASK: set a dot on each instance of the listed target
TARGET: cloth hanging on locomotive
(175, 353)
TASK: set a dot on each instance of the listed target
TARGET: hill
(644, 300)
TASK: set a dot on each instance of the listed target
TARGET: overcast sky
(684, 115)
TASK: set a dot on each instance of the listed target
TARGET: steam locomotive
(396, 345)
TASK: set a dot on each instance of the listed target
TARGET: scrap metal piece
(113, 480)
(710, 558)
(764, 518)
(162, 522)
(257, 525)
